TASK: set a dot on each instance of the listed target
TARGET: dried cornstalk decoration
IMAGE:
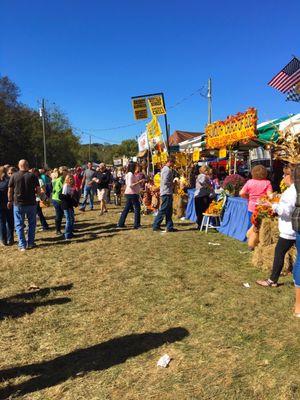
(287, 147)
(185, 171)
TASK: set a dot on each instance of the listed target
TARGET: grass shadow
(95, 358)
(12, 307)
(60, 242)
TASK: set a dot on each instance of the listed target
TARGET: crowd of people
(24, 192)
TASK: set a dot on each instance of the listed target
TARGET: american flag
(287, 77)
(294, 93)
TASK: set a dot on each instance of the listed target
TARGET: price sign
(140, 108)
(157, 105)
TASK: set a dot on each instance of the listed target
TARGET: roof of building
(181, 136)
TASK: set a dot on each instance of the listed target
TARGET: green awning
(269, 132)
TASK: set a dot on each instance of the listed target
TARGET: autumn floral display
(233, 184)
(262, 210)
(215, 207)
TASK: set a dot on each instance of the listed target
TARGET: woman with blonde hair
(6, 214)
(203, 193)
(69, 200)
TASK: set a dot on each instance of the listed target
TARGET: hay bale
(257, 260)
(263, 257)
(289, 261)
(265, 232)
(275, 230)
(268, 257)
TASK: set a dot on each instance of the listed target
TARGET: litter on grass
(243, 252)
(164, 361)
(246, 285)
(214, 244)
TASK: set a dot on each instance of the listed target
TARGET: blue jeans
(88, 192)
(296, 269)
(41, 216)
(69, 214)
(59, 213)
(20, 212)
(132, 200)
(166, 210)
(6, 225)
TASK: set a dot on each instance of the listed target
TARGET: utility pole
(209, 99)
(90, 148)
(42, 114)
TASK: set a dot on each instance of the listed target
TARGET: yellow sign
(240, 127)
(140, 108)
(156, 180)
(223, 153)
(154, 131)
(196, 154)
(163, 157)
(156, 105)
(155, 159)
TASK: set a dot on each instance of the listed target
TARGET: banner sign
(196, 154)
(154, 132)
(118, 162)
(156, 105)
(163, 157)
(143, 142)
(155, 158)
(240, 127)
(140, 108)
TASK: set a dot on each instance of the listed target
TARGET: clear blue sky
(90, 57)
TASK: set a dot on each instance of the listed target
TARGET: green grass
(100, 337)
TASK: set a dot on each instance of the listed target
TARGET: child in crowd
(117, 188)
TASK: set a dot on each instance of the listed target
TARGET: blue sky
(90, 57)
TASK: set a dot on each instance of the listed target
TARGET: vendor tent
(198, 141)
(180, 136)
(292, 124)
(268, 131)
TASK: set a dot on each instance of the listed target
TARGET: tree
(9, 92)
(128, 148)
(21, 132)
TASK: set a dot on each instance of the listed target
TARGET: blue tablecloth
(235, 222)
(190, 212)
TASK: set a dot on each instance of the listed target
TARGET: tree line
(21, 135)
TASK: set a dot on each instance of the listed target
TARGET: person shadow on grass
(79, 362)
(20, 304)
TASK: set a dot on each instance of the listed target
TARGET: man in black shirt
(22, 189)
(102, 179)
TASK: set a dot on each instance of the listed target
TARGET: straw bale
(267, 253)
(263, 257)
(257, 259)
(289, 261)
(265, 232)
(275, 230)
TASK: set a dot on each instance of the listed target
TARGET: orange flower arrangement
(215, 207)
(261, 211)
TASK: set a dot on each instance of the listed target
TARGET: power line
(184, 99)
